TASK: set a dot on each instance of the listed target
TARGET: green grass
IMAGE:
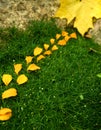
(65, 94)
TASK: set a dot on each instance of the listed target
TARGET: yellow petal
(37, 51)
(28, 59)
(22, 79)
(64, 33)
(17, 68)
(5, 114)
(6, 78)
(66, 38)
(40, 57)
(11, 92)
(46, 46)
(62, 42)
(58, 36)
(54, 48)
(52, 40)
(73, 35)
(47, 52)
(33, 67)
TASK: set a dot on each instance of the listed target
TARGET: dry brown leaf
(6, 78)
(37, 51)
(58, 36)
(22, 79)
(54, 47)
(33, 67)
(5, 114)
(48, 52)
(62, 42)
(46, 46)
(17, 68)
(11, 92)
(40, 57)
(52, 40)
(28, 59)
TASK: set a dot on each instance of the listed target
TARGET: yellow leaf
(37, 51)
(28, 59)
(64, 33)
(33, 67)
(17, 68)
(54, 47)
(46, 46)
(73, 35)
(58, 36)
(11, 92)
(5, 114)
(52, 40)
(40, 57)
(22, 79)
(66, 38)
(6, 78)
(48, 52)
(82, 10)
(62, 42)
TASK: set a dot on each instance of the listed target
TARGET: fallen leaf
(22, 79)
(64, 33)
(62, 42)
(33, 67)
(73, 35)
(40, 57)
(82, 10)
(58, 36)
(66, 38)
(17, 68)
(6, 78)
(48, 52)
(28, 59)
(11, 92)
(46, 46)
(37, 51)
(52, 40)
(5, 114)
(54, 47)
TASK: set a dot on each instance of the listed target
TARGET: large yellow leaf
(22, 79)
(11, 92)
(5, 114)
(6, 78)
(82, 10)
(17, 68)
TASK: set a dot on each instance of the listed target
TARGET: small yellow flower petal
(22, 79)
(11, 92)
(28, 59)
(40, 57)
(62, 42)
(64, 33)
(52, 40)
(54, 48)
(58, 36)
(17, 68)
(5, 114)
(6, 78)
(48, 52)
(46, 46)
(37, 51)
(73, 35)
(33, 67)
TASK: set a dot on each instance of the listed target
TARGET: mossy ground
(65, 94)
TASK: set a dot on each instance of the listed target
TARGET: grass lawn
(65, 94)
